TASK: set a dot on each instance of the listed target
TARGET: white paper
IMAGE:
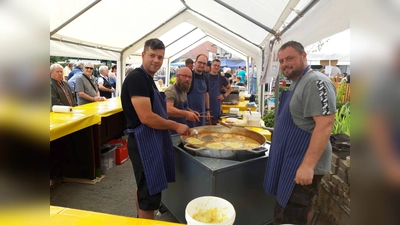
(62, 109)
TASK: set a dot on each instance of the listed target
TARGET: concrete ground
(113, 195)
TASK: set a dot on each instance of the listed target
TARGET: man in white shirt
(105, 86)
(335, 71)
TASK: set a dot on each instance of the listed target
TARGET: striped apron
(156, 149)
(288, 147)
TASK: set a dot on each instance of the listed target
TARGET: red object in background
(281, 83)
(121, 153)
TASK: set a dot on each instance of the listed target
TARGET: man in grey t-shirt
(85, 87)
(300, 152)
(176, 96)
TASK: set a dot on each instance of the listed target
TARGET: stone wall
(333, 200)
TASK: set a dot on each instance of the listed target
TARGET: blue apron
(197, 100)
(288, 147)
(182, 106)
(156, 149)
(213, 92)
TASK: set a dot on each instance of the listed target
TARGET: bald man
(176, 95)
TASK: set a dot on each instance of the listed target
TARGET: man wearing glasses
(198, 94)
(176, 95)
(85, 86)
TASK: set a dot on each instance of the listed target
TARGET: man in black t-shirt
(149, 145)
(216, 82)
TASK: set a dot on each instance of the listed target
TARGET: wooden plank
(83, 181)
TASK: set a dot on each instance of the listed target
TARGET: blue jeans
(253, 85)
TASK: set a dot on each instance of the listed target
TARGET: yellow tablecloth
(67, 216)
(103, 109)
(241, 105)
(62, 124)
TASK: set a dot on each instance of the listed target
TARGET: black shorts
(299, 204)
(146, 201)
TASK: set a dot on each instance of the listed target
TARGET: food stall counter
(105, 108)
(241, 105)
(62, 124)
(67, 216)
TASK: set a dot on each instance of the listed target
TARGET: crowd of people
(75, 84)
(300, 153)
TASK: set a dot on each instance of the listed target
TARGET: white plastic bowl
(206, 202)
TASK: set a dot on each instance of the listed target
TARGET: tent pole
(167, 78)
(120, 68)
(74, 17)
(245, 16)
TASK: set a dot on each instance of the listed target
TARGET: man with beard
(216, 83)
(176, 95)
(150, 146)
(300, 152)
(198, 94)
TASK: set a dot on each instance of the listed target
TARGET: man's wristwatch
(207, 109)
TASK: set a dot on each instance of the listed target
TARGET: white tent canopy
(335, 47)
(117, 29)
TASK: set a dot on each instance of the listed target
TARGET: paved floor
(113, 195)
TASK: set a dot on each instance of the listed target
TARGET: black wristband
(207, 109)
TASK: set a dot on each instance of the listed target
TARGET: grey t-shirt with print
(315, 95)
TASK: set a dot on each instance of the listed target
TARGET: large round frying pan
(237, 154)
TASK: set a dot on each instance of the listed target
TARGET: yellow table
(241, 105)
(106, 108)
(62, 124)
(80, 134)
(67, 216)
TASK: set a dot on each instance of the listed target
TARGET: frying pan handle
(191, 148)
(258, 149)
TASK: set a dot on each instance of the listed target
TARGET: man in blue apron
(176, 96)
(198, 94)
(149, 145)
(300, 151)
(215, 83)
